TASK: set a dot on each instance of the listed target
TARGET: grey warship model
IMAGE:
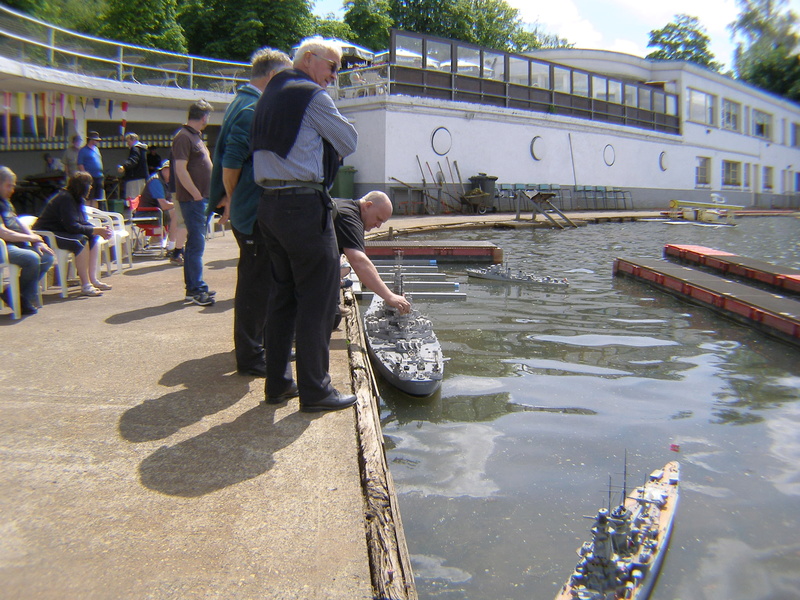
(628, 543)
(404, 348)
(497, 272)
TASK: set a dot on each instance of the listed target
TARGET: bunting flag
(124, 118)
(20, 113)
(7, 116)
(42, 99)
(110, 108)
(62, 100)
(73, 112)
(83, 102)
(32, 112)
(96, 102)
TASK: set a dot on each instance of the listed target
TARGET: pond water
(545, 392)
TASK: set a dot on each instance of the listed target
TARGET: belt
(283, 184)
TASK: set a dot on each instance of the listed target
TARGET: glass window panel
(518, 70)
(408, 51)
(630, 95)
(599, 91)
(468, 61)
(437, 54)
(644, 99)
(493, 66)
(561, 80)
(580, 84)
(659, 102)
(615, 91)
(540, 75)
(672, 105)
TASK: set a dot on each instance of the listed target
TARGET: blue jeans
(32, 268)
(196, 220)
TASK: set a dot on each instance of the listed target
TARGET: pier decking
(773, 314)
(781, 278)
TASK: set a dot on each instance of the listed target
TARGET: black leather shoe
(335, 401)
(256, 371)
(285, 396)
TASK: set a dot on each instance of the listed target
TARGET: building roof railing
(29, 40)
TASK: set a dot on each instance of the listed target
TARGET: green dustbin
(117, 206)
(343, 184)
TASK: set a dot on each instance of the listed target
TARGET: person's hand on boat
(399, 302)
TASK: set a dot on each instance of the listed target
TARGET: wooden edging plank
(390, 563)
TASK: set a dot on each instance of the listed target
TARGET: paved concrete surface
(136, 463)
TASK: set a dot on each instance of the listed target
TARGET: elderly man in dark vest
(298, 138)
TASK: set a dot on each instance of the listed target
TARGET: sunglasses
(331, 63)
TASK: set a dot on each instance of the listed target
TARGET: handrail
(37, 42)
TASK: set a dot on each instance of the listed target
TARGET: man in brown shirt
(191, 164)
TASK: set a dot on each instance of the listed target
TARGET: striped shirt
(304, 161)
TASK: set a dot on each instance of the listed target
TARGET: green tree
(370, 21)
(153, 26)
(331, 27)
(233, 31)
(767, 55)
(531, 37)
(683, 39)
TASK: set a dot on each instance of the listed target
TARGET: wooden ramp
(773, 314)
(542, 205)
(784, 279)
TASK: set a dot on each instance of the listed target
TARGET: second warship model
(628, 543)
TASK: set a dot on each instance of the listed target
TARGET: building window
(731, 173)
(795, 135)
(747, 175)
(702, 173)
(701, 107)
(731, 115)
(762, 124)
(768, 174)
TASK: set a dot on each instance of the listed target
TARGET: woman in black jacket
(65, 216)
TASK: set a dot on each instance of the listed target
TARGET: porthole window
(537, 148)
(441, 141)
(662, 161)
(609, 156)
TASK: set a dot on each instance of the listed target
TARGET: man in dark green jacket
(234, 190)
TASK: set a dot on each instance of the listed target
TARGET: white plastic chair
(13, 281)
(121, 239)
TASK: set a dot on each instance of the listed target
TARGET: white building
(602, 128)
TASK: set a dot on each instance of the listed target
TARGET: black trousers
(250, 303)
(304, 289)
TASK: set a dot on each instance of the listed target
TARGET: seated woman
(25, 249)
(65, 216)
(156, 195)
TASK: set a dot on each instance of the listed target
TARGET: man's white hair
(317, 45)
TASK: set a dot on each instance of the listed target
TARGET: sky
(619, 25)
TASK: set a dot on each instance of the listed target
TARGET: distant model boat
(628, 544)
(498, 272)
(404, 348)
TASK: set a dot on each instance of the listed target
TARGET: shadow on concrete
(216, 265)
(145, 312)
(206, 390)
(164, 265)
(222, 456)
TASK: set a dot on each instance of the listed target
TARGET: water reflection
(545, 390)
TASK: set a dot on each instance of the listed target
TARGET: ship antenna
(625, 478)
(609, 492)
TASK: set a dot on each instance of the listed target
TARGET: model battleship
(404, 348)
(498, 272)
(628, 543)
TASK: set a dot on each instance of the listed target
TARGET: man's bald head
(376, 209)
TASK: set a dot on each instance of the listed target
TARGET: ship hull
(404, 349)
(653, 507)
(492, 275)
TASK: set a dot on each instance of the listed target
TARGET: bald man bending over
(354, 218)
